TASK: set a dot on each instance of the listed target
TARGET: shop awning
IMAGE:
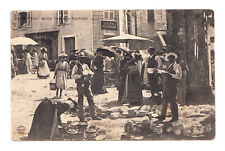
(42, 31)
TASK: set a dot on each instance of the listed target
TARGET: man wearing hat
(172, 74)
(72, 60)
(82, 75)
(152, 75)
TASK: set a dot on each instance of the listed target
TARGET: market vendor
(47, 118)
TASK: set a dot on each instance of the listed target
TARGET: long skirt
(97, 83)
(22, 67)
(144, 74)
(61, 78)
(28, 64)
(130, 90)
(43, 71)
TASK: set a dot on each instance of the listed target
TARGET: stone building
(151, 24)
(64, 30)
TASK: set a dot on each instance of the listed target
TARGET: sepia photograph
(112, 75)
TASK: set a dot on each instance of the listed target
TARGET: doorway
(47, 43)
(69, 44)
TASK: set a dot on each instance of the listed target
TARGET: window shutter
(18, 21)
(58, 17)
(29, 19)
(66, 16)
(15, 20)
(106, 14)
(111, 16)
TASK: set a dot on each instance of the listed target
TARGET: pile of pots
(81, 131)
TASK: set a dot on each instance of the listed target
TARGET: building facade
(58, 31)
(151, 24)
(64, 30)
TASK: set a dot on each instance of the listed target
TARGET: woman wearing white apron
(43, 69)
(28, 61)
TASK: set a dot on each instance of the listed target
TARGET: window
(22, 20)
(150, 15)
(109, 15)
(63, 17)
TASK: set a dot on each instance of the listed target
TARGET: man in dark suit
(152, 75)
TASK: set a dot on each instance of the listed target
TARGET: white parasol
(126, 38)
(22, 41)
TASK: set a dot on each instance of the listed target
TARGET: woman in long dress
(28, 61)
(35, 60)
(61, 72)
(43, 69)
(97, 84)
(144, 74)
(130, 90)
(23, 66)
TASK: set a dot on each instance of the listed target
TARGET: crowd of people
(159, 71)
(133, 70)
(30, 62)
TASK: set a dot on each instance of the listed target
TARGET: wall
(147, 27)
(98, 33)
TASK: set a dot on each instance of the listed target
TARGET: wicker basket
(52, 84)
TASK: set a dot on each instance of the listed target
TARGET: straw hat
(62, 55)
(170, 54)
(44, 49)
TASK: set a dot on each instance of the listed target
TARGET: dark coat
(44, 121)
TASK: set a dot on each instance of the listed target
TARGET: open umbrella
(125, 38)
(22, 41)
(106, 51)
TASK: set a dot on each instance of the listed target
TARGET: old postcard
(105, 75)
